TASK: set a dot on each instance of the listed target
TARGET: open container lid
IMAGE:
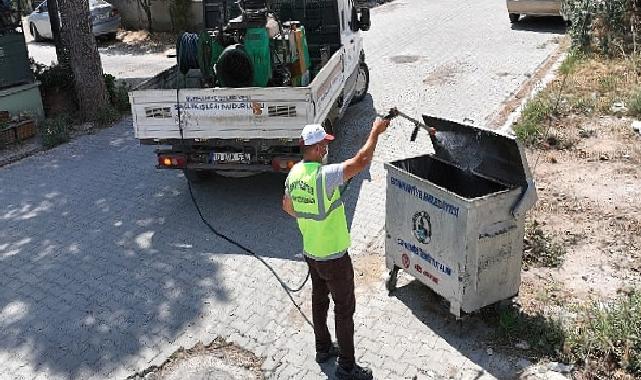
(484, 152)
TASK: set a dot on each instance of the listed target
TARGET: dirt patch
(443, 74)
(217, 360)
(590, 199)
(369, 270)
(139, 42)
(405, 59)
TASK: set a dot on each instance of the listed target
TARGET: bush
(54, 76)
(55, 131)
(603, 27)
(118, 94)
(107, 116)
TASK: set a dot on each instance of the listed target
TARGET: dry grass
(586, 86)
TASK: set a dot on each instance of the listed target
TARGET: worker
(313, 197)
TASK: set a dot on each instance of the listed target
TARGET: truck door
(350, 37)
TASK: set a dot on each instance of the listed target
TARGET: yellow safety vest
(321, 220)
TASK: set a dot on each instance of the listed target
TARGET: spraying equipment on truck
(245, 86)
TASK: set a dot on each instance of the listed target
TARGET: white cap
(314, 133)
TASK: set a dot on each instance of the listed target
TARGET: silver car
(516, 8)
(105, 20)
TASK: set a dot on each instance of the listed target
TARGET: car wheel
(34, 32)
(362, 83)
(514, 17)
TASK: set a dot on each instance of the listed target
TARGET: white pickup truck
(248, 130)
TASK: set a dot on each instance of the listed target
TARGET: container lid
(484, 152)
(479, 150)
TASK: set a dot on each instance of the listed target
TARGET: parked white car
(105, 20)
(516, 8)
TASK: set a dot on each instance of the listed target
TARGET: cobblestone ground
(106, 269)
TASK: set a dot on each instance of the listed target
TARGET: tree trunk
(146, 6)
(83, 57)
(54, 21)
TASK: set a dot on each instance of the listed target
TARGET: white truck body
(236, 113)
(251, 129)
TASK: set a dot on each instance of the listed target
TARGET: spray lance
(394, 112)
(436, 144)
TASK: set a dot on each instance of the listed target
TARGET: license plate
(102, 17)
(230, 157)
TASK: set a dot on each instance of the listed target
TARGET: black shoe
(356, 373)
(322, 357)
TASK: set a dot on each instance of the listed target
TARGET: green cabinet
(14, 61)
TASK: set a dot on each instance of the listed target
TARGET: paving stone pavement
(106, 269)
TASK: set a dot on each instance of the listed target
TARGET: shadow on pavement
(471, 335)
(102, 256)
(550, 25)
(100, 261)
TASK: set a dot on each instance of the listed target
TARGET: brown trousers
(335, 277)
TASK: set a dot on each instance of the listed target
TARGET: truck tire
(362, 83)
(196, 176)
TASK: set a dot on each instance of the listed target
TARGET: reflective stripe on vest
(321, 218)
(322, 214)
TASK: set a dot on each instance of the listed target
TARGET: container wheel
(390, 282)
(514, 17)
(362, 83)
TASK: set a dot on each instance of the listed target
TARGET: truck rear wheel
(362, 83)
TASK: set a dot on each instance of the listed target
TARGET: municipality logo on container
(422, 227)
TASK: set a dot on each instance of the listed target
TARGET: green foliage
(571, 62)
(118, 94)
(55, 131)
(603, 27)
(53, 77)
(540, 249)
(601, 338)
(530, 126)
(107, 116)
(608, 335)
(544, 335)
